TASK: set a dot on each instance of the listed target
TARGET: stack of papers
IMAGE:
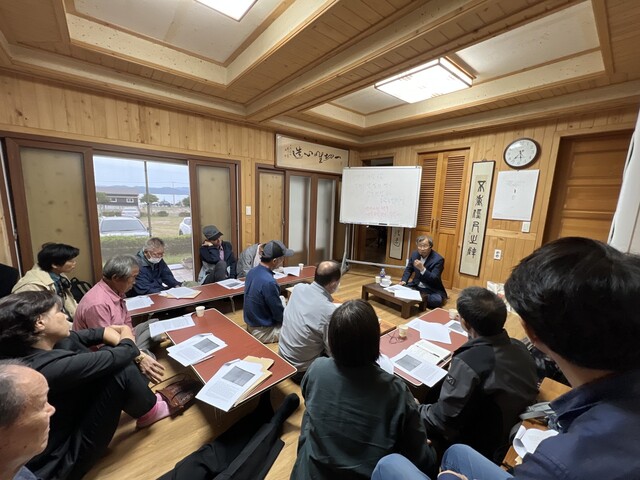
(135, 303)
(234, 381)
(180, 292)
(400, 291)
(162, 326)
(231, 283)
(196, 349)
(295, 271)
(420, 361)
(431, 330)
(528, 439)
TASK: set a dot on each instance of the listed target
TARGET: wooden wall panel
(33, 106)
(506, 235)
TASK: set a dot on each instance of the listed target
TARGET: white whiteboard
(380, 196)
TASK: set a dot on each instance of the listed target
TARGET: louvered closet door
(440, 204)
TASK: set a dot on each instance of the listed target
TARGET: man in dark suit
(426, 266)
(218, 261)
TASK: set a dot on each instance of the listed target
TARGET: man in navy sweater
(263, 308)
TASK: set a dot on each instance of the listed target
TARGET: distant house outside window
(130, 200)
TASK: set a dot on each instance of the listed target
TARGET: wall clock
(521, 153)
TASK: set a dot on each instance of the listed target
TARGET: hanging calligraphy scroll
(298, 154)
(397, 240)
(476, 222)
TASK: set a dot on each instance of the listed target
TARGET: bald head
(24, 414)
(328, 273)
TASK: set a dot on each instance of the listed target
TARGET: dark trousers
(74, 455)
(246, 451)
(218, 273)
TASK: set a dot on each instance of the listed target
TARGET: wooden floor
(146, 454)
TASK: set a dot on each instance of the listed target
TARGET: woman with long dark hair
(356, 413)
(89, 390)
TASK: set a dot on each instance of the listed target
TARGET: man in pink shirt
(104, 305)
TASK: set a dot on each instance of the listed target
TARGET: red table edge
(412, 380)
(263, 386)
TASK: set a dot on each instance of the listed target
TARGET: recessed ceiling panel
(368, 100)
(559, 35)
(185, 24)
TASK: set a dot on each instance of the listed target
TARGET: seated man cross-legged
(263, 308)
(155, 275)
(578, 303)
(303, 336)
(426, 265)
(104, 306)
(218, 261)
(491, 380)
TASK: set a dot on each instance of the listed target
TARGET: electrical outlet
(526, 226)
(247, 210)
(497, 254)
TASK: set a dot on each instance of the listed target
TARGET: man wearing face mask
(263, 308)
(155, 275)
(303, 336)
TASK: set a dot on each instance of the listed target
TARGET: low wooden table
(240, 343)
(377, 291)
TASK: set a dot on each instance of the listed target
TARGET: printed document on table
(162, 326)
(135, 303)
(292, 271)
(196, 348)
(229, 383)
(528, 439)
(412, 362)
(278, 275)
(231, 283)
(455, 326)
(431, 330)
(181, 292)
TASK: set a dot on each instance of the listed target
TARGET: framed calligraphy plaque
(476, 222)
(298, 154)
(397, 240)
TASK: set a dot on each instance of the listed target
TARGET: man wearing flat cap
(263, 308)
(218, 261)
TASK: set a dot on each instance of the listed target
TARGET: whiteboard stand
(379, 196)
(348, 245)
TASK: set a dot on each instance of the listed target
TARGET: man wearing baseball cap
(263, 307)
(218, 261)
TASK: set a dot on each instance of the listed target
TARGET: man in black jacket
(491, 380)
(426, 265)
(218, 261)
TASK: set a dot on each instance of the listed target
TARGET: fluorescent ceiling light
(231, 8)
(425, 81)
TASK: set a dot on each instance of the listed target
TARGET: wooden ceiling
(304, 55)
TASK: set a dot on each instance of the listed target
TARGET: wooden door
(441, 204)
(270, 215)
(586, 186)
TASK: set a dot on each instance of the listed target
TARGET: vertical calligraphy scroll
(476, 222)
(397, 241)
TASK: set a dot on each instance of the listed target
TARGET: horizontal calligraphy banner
(294, 153)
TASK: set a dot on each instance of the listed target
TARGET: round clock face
(521, 152)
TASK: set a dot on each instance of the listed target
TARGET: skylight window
(235, 9)
(434, 78)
